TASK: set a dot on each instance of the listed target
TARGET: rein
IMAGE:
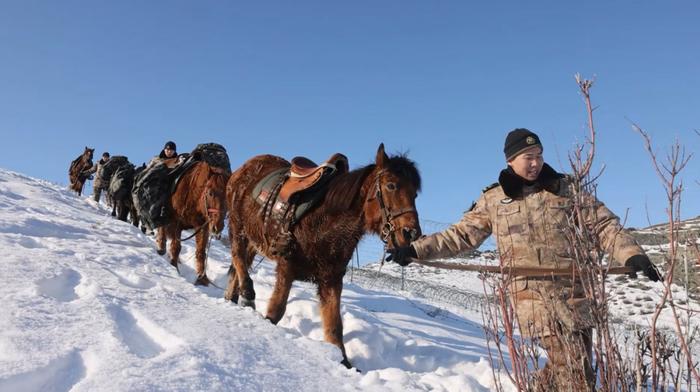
(518, 271)
(209, 211)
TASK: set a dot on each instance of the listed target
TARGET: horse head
(213, 202)
(88, 153)
(390, 207)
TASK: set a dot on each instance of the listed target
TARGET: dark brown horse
(80, 170)
(378, 198)
(198, 202)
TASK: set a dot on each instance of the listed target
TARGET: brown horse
(80, 170)
(378, 198)
(198, 202)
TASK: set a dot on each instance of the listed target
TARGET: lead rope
(206, 262)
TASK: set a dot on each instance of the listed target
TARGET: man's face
(528, 163)
(169, 152)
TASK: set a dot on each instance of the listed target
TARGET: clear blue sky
(443, 80)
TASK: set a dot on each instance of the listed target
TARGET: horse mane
(344, 189)
(202, 172)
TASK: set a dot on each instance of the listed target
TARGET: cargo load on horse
(106, 170)
(153, 187)
(150, 193)
(119, 190)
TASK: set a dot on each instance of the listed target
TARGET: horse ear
(382, 158)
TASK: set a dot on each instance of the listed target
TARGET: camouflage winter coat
(530, 225)
(97, 171)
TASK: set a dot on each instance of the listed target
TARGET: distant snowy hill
(88, 305)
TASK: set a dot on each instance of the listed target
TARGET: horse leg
(239, 282)
(201, 240)
(114, 209)
(174, 232)
(161, 240)
(231, 293)
(329, 296)
(122, 212)
(134, 215)
(278, 301)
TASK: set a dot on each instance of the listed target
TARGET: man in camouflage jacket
(529, 212)
(97, 185)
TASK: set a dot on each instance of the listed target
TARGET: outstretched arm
(467, 234)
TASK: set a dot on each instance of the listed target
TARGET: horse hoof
(160, 251)
(243, 301)
(202, 280)
(345, 362)
(232, 298)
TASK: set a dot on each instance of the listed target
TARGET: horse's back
(243, 209)
(252, 171)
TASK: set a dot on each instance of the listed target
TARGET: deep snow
(89, 305)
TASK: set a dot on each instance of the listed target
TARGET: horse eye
(391, 186)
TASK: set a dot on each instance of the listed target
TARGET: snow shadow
(42, 228)
(60, 375)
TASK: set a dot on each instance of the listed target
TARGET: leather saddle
(305, 174)
(285, 195)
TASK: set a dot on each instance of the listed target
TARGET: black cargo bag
(121, 183)
(151, 195)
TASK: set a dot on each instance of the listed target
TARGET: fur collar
(512, 183)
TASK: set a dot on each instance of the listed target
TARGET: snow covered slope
(88, 305)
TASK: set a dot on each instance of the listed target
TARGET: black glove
(643, 264)
(401, 255)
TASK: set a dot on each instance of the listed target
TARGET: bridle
(206, 222)
(388, 230)
(210, 211)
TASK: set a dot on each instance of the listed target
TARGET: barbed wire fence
(365, 270)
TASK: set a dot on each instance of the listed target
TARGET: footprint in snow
(59, 375)
(141, 336)
(131, 279)
(29, 243)
(61, 287)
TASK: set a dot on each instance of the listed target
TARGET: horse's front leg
(123, 211)
(161, 240)
(201, 240)
(329, 296)
(283, 284)
(174, 232)
(239, 281)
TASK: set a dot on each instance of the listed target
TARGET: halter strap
(388, 215)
